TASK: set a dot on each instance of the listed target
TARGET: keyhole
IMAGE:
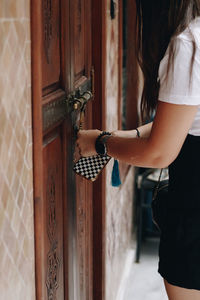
(112, 9)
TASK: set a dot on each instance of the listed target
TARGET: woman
(169, 56)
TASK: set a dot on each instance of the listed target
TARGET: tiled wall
(118, 200)
(16, 186)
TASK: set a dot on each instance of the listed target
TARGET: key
(82, 117)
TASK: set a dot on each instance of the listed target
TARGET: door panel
(51, 42)
(61, 60)
(53, 199)
(80, 28)
(80, 23)
(79, 37)
(81, 41)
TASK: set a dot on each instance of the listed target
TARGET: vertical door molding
(99, 213)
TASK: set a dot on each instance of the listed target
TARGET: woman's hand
(85, 143)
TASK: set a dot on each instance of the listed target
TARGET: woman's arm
(144, 130)
(86, 139)
(170, 128)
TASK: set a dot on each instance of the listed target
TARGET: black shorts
(179, 251)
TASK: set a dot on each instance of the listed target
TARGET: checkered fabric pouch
(90, 167)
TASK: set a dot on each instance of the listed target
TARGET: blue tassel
(116, 181)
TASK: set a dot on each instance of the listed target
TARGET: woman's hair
(158, 23)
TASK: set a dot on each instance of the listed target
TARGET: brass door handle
(79, 102)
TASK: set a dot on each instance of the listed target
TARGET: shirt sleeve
(178, 87)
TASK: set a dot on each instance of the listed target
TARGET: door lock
(79, 102)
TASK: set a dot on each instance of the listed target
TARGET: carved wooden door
(61, 85)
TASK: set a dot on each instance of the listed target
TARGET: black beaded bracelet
(100, 145)
(102, 134)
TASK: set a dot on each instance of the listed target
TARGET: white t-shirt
(178, 88)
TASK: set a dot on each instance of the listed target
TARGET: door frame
(99, 54)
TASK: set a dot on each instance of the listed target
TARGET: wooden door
(61, 73)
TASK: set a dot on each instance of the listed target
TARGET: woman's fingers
(77, 153)
(86, 142)
(80, 138)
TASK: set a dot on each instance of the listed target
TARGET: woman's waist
(187, 164)
(192, 137)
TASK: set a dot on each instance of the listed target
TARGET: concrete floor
(144, 282)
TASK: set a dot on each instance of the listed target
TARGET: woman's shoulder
(191, 34)
(179, 83)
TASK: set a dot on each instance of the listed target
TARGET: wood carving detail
(79, 29)
(53, 261)
(52, 273)
(51, 219)
(54, 112)
(48, 27)
(81, 240)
